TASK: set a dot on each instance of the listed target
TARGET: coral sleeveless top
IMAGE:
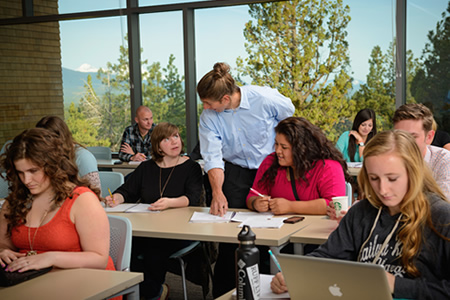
(59, 234)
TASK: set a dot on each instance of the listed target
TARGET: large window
(70, 6)
(95, 79)
(428, 38)
(162, 63)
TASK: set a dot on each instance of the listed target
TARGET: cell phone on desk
(293, 220)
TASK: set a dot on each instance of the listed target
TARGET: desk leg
(298, 249)
(131, 293)
(275, 250)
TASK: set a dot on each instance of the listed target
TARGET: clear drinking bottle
(247, 270)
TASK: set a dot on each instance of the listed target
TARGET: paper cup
(340, 203)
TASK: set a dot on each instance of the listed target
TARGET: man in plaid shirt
(135, 145)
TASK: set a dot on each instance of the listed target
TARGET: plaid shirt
(438, 160)
(132, 137)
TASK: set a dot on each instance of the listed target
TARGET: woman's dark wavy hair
(309, 146)
(362, 116)
(44, 149)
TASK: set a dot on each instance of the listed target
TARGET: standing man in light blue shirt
(236, 134)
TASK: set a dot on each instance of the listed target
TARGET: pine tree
(300, 48)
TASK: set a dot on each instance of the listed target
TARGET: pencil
(112, 198)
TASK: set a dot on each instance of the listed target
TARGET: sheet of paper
(132, 162)
(131, 208)
(263, 222)
(266, 292)
(354, 164)
(204, 217)
(241, 216)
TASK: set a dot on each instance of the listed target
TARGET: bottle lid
(246, 234)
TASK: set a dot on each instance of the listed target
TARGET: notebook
(13, 278)
(322, 278)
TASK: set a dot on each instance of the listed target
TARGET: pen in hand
(256, 192)
(275, 260)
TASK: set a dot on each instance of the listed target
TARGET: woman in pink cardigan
(302, 175)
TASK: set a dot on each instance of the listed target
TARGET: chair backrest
(4, 146)
(3, 186)
(111, 180)
(348, 193)
(120, 242)
(101, 152)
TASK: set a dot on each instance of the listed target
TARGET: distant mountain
(74, 81)
(73, 85)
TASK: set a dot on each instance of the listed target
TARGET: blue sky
(90, 44)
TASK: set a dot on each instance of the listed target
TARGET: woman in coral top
(302, 175)
(51, 217)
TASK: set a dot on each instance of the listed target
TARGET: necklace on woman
(163, 188)
(34, 252)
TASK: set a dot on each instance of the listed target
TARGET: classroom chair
(348, 193)
(3, 186)
(120, 250)
(101, 152)
(111, 180)
(180, 254)
(4, 146)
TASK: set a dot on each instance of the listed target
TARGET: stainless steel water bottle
(247, 270)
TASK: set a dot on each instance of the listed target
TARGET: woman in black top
(168, 180)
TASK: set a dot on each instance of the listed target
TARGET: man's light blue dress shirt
(246, 135)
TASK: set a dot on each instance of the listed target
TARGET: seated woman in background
(167, 180)
(49, 215)
(85, 160)
(441, 138)
(403, 225)
(352, 143)
(305, 167)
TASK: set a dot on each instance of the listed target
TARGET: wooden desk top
(73, 284)
(174, 224)
(316, 232)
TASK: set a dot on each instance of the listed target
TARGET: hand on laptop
(278, 285)
(7, 256)
(33, 262)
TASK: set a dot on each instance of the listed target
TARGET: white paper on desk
(241, 216)
(263, 222)
(205, 217)
(354, 164)
(132, 162)
(131, 208)
(266, 292)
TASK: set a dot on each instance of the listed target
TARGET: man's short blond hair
(415, 111)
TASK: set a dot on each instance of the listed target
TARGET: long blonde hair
(415, 206)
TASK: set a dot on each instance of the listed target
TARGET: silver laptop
(314, 278)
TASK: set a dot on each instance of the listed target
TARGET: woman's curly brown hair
(309, 146)
(44, 149)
